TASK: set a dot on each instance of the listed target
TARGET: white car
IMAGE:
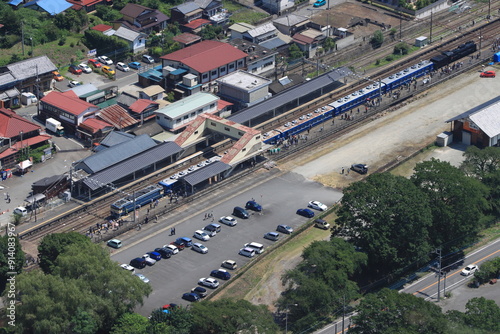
(122, 67)
(247, 251)
(74, 83)
(317, 206)
(199, 248)
(85, 68)
(105, 60)
(209, 282)
(149, 260)
(470, 269)
(228, 220)
(128, 267)
(173, 248)
(199, 234)
(143, 278)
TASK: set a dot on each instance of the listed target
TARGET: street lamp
(286, 316)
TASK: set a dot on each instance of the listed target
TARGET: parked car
(469, 270)
(94, 63)
(212, 229)
(23, 212)
(305, 213)
(85, 68)
(228, 220)
(209, 282)
(149, 260)
(199, 248)
(200, 291)
(165, 252)
(172, 248)
(319, 3)
(273, 236)
(252, 205)
(317, 206)
(322, 224)
(191, 296)
(148, 59)
(240, 212)
(199, 234)
(122, 67)
(221, 274)
(488, 74)
(108, 70)
(135, 65)
(105, 60)
(360, 168)
(246, 251)
(128, 267)
(138, 263)
(284, 229)
(75, 69)
(187, 241)
(155, 255)
(229, 264)
(115, 243)
(142, 278)
(179, 244)
(57, 76)
(73, 83)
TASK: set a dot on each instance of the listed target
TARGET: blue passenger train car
(169, 185)
(142, 197)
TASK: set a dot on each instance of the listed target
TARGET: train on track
(368, 94)
(142, 197)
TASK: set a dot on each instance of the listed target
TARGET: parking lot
(170, 278)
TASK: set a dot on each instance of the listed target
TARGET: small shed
(444, 139)
(421, 41)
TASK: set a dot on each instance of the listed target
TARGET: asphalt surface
(280, 197)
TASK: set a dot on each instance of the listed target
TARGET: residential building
(51, 7)
(277, 6)
(308, 41)
(144, 109)
(142, 19)
(118, 117)
(260, 59)
(186, 39)
(238, 29)
(89, 93)
(93, 130)
(31, 75)
(208, 60)
(105, 29)
(192, 15)
(89, 5)
(244, 89)
(291, 24)
(153, 93)
(136, 40)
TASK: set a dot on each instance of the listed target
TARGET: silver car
(228, 220)
(199, 248)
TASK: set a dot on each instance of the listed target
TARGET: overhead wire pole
(438, 251)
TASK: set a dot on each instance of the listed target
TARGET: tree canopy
(387, 217)
(10, 248)
(54, 244)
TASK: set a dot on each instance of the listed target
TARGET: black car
(252, 205)
(165, 252)
(191, 296)
(240, 212)
(200, 291)
(221, 274)
(138, 263)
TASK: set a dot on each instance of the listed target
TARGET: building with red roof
(93, 130)
(67, 108)
(88, 5)
(17, 134)
(102, 28)
(186, 39)
(208, 60)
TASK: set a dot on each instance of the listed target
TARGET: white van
(259, 248)
(21, 210)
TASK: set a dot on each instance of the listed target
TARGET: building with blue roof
(53, 7)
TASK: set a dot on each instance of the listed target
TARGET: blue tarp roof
(53, 7)
(15, 2)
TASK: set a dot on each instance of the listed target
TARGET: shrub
(62, 41)
(389, 58)
(401, 49)
(377, 39)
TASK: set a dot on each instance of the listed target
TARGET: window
(193, 114)
(177, 121)
(240, 63)
(213, 124)
(231, 66)
(200, 111)
(240, 133)
(196, 132)
(243, 149)
(227, 129)
(205, 76)
(186, 117)
(214, 73)
(212, 105)
(257, 138)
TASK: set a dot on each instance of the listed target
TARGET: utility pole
(22, 36)
(430, 34)
(400, 24)
(343, 315)
(438, 251)
(489, 9)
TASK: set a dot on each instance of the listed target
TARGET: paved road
(281, 196)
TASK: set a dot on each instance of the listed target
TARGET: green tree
(83, 323)
(389, 311)
(131, 323)
(295, 52)
(54, 244)
(210, 32)
(107, 13)
(388, 218)
(483, 313)
(456, 201)
(226, 316)
(489, 269)
(401, 49)
(10, 248)
(480, 162)
(329, 43)
(377, 39)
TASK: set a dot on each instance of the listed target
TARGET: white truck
(54, 126)
(28, 99)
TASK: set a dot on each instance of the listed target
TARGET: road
(280, 197)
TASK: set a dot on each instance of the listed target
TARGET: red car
(178, 245)
(94, 63)
(488, 74)
(75, 69)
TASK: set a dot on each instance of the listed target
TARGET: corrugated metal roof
(206, 172)
(187, 7)
(84, 89)
(474, 110)
(261, 30)
(488, 119)
(187, 104)
(29, 68)
(12, 124)
(241, 27)
(132, 164)
(115, 138)
(291, 20)
(117, 116)
(127, 34)
(115, 154)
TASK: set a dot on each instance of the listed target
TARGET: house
(118, 117)
(208, 60)
(308, 41)
(89, 93)
(142, 19)
(238, 29)
(105, 29)
(192, 14)
(291, 24)
(186, 39)
(93, 130)
(266, 35)
(244, 89)
(260, 59)
(88, 5)
(52, 7)
(144, 109)
(136, 40)
(31, 75)
(67, 108)
(277, 6)
(153, 93)
(17, 135)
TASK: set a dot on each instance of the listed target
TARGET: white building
(244, 89)
(136, 40)
(277, 6)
